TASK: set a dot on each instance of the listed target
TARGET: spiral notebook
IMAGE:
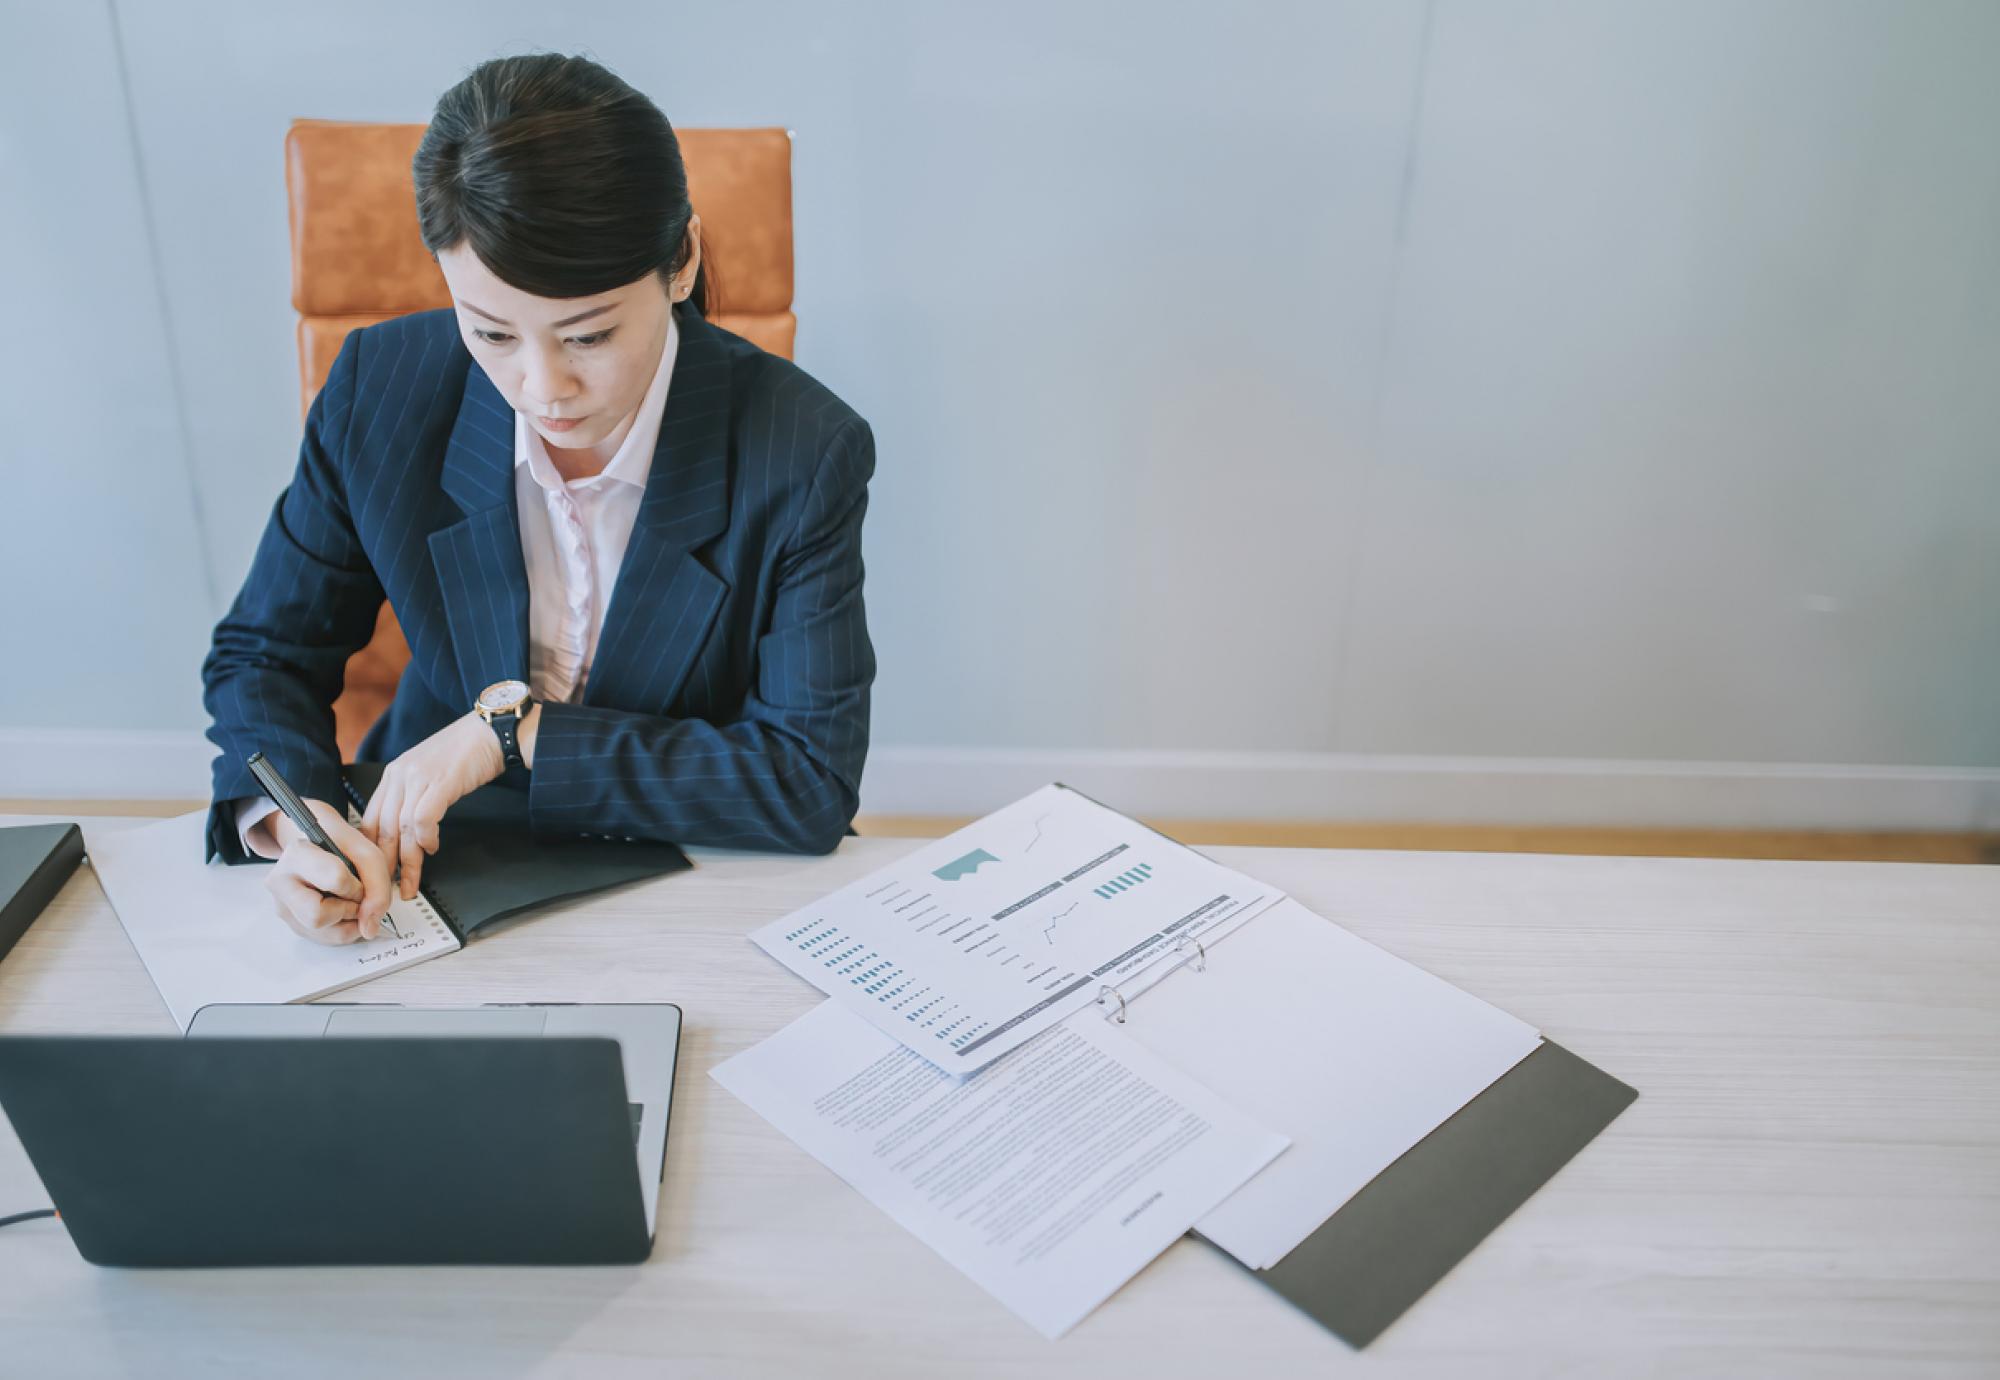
(490, 864)
(207, 932)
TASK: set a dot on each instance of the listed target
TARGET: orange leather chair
(357, 258)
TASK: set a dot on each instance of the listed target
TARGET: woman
(624, 545)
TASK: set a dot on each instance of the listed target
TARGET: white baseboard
(104, 764)
(85, 764)
(1525, 792)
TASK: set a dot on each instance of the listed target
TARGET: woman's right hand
(316, 894)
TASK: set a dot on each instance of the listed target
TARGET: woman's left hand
(418, 787)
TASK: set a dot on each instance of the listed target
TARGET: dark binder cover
(1401, 1234)
(490, 864)
(35, 861)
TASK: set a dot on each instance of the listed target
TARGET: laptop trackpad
(379, 1023)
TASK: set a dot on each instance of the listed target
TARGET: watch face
(503, 696)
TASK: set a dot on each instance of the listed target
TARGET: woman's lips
(558, 423)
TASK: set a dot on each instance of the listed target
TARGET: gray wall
(1484, 379)
(106, 597)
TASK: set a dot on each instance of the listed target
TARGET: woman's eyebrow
(566, 321)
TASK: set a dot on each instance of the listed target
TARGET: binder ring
(1109, 991)
(1200, 959)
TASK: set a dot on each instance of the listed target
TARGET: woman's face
(576, 367)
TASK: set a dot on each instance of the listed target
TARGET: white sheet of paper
(976, 943)
(208, 932)
(1050, 1177)
(1353, 1053)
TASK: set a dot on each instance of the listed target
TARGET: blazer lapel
(481, 574)
(666, 599)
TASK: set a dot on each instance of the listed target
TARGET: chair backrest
(357, 258)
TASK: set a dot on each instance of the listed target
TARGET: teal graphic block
(965, 866)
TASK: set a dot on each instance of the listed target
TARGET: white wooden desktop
(1809, 1183)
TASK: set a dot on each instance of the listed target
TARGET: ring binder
(1152, 977)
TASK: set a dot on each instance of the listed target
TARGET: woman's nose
(546, 382)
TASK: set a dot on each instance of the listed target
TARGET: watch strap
(507, 728)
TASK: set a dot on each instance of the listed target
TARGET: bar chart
(1124, 881)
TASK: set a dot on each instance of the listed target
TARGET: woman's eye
(586, 341)
(492, 337)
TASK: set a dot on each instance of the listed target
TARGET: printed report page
(1050, 1177)
(976, 943)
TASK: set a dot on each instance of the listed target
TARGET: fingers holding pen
(372, 889)
(316, 892)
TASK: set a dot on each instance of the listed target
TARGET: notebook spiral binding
(1186, 953)
(438, 914)
(433, 908)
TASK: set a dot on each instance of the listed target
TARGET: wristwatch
(502, 704)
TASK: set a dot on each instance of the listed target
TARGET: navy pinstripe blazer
(728, 700)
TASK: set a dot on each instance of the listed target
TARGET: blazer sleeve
(279, 655)
(786, 774)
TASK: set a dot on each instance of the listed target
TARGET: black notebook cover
(35, 861)
(1402, 1233)
(490, 864)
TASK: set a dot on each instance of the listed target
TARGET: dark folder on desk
(35, 861)
(1418, 1218)
(490, 864)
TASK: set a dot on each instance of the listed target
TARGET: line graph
(1049, 931)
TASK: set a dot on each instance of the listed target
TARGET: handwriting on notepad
(383, 952)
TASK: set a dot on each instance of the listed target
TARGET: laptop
(355, 1134)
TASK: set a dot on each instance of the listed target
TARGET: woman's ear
(682, 283)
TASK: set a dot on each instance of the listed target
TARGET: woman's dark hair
(564, 181)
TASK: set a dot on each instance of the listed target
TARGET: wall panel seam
(148, 224)
(1371, 458)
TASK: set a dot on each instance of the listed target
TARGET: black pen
(287, 799)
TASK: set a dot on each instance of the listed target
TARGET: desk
(1808, 1184)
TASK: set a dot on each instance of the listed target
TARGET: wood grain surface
(1809, 1183)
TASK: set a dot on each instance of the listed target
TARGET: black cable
(27, 1216)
